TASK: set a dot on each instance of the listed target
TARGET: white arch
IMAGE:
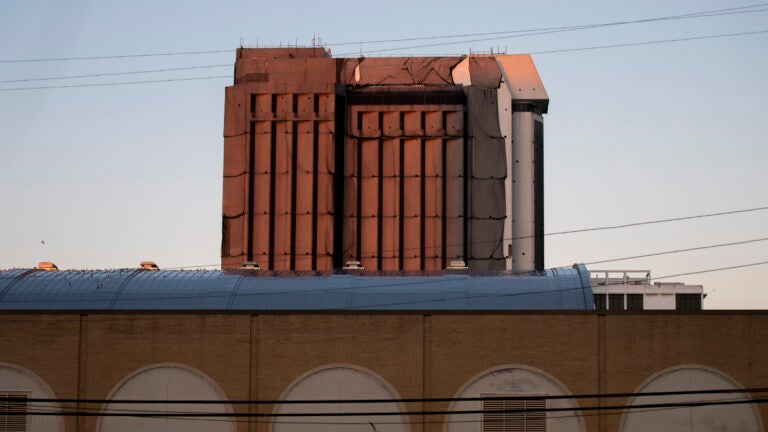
(745, 418)
(166, 381)
(340, 381)
(15, 378)
(514, 379)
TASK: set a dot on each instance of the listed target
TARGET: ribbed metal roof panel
(130, 289)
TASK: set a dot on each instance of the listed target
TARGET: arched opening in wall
(17, 386)
(526, 410)
(340, 382)
(154, 386)
(726, 417)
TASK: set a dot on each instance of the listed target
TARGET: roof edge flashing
(521, 77)
(586, 285)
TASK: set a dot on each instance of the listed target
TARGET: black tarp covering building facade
(400, 163)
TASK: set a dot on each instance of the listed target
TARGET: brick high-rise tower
(401, 163)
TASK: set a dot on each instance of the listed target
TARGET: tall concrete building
(400, 163)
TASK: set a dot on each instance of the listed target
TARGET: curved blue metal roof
(216, 290)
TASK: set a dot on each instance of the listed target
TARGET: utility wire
(115, 83)
(713, 270)
(395, 422)
(466, 41)
(538, 31)
(630, 44)
(117, 73)
(532, 33)
(592, 229)
(678, 251)
(574, 231)
(650, 222)
(402, 413)
(663, 41)
(400, 400)
(702, 14)
(165, 54)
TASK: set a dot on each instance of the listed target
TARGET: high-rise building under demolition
(400, 163)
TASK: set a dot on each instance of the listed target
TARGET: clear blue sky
(109, 176)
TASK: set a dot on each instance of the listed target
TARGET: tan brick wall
(641, 345)
(463, 346)
(47, 345)
(259, 356)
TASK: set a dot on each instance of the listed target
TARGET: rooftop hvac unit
(250, 265)
(353, 265)
(47, 266)
(149, 265)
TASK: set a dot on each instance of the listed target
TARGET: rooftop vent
(47, 266)
(250, 265)
(457, 265)
(353, 265)
(149, 265)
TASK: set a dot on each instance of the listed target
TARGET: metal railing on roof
(620, 277)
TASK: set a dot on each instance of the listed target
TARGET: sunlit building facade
(396, 163)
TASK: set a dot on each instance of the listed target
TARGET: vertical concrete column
(505, 125)
(523, 190)
(528, 101)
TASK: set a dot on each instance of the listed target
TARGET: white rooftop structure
(634, 290)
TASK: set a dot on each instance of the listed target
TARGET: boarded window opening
(514, 415)
(688, 302)
(634, 302)
(13, 412)
(616, 302)
(600, 302)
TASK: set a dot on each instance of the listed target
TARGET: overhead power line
(587, 48)
(545, 31)
(701, 14)
(119, 56)
(466, 41)
(651, 222)
(713, 270)
(564, 50)
(592, 229)
(656, 42)
(400, 400)
(502, 34)
(117, 73)
(691, 404)
(678, 251)
(392, 421)
(115, 83)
